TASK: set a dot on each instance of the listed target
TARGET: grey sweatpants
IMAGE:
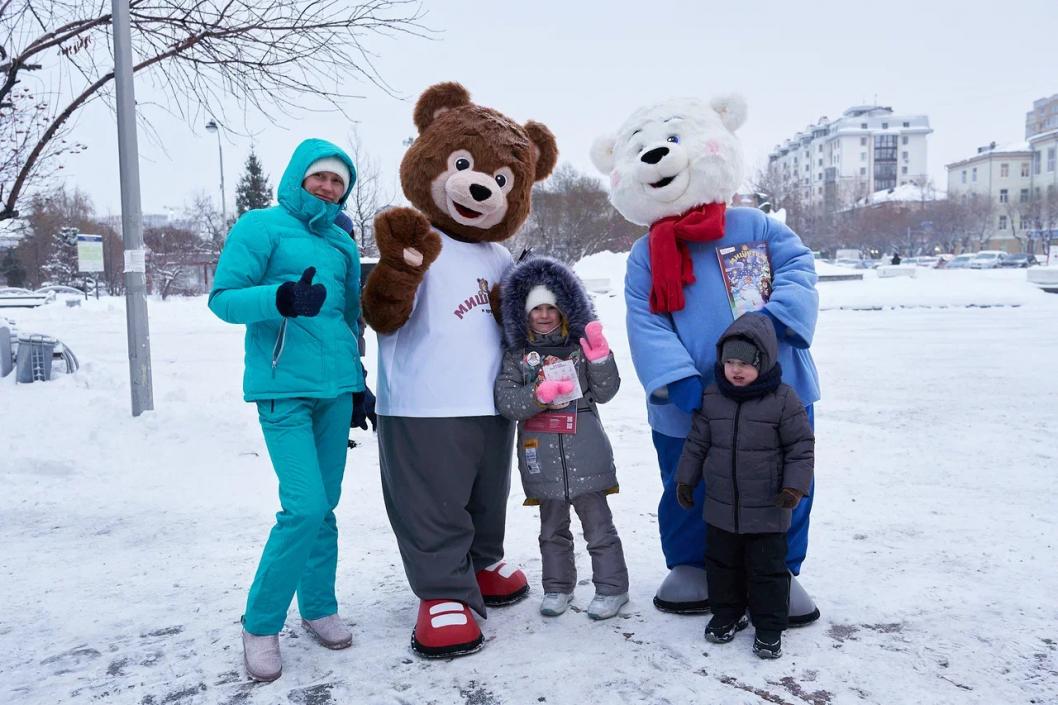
(609, 573)
(445, 482)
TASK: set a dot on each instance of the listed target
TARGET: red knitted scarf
(671, 267)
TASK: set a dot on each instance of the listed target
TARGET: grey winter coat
(554, 465)
(749, 442)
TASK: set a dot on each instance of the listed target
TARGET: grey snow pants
(609, 573)
(445, 482)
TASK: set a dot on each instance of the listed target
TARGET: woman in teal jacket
(293, 278)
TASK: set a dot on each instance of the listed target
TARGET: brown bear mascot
(444, 451)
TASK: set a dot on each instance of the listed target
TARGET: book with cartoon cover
(747, 275)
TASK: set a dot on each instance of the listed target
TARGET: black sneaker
(768, 645)
(722, 632)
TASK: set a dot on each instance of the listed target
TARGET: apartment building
(835, 163)
(1004, 175)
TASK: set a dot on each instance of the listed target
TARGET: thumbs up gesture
(301, 298)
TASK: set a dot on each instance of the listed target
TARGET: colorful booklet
(747, 275)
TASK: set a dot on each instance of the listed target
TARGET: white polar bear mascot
(673, 167)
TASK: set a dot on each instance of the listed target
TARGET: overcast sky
(974, 67)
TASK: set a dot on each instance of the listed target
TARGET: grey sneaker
(555, 603)
(329, 631)
(261, 656)
(606, 606)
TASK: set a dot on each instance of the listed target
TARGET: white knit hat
(331, 164)
(538, 295)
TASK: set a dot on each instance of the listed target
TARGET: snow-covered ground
(127, 545)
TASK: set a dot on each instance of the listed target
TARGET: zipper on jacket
(734, 456)
(277, 349)
(565, 470)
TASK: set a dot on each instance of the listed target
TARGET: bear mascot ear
(732, 110)
(544, 146)
(602, 153)
(436, 99)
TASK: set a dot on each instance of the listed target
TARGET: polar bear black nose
(479, 192)
(654, 156)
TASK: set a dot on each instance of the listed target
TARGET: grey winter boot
(329, 631)
(555, 603)
(606, 606)
(261, 657)
(683, 591)
(802, 609)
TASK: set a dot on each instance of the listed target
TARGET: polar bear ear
(732, 110)
(602, 153)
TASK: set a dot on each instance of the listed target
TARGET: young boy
(564, 455)
(754, 446)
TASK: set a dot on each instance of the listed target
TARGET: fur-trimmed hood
(570, 296)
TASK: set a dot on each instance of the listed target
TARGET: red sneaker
(502, 584)
(445, 628)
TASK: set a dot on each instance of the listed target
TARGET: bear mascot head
(472, 169)
(470, 175)
(669, 157)
(674, 166)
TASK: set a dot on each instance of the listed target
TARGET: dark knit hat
(739, 348)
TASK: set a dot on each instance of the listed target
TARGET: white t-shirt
(444, 360)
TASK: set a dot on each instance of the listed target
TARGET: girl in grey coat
(564, 456)
(753, 444)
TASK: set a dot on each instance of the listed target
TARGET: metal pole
(223, 200)
(131, 215)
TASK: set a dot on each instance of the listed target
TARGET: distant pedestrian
(895, 259)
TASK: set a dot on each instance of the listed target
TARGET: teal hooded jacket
(313, 357)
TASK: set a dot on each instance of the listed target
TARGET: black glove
(364, 410)
(685, 495)
(301, 298)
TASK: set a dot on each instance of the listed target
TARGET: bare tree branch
(273, 57)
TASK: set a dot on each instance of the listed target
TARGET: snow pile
(931, 288)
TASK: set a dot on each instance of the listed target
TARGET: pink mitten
(549, 389)
(594, 342)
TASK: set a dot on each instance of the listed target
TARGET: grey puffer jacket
(749, 442)
(554, 465)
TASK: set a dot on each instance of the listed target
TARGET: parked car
(850, 263)
(923, 261)
(1021, 259)
(987, 259)
(961, 261)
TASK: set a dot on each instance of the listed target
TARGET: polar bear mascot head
(674, 155)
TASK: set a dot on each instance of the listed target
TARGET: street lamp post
(131, 215)
(212, 126)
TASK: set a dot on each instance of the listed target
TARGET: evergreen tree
(61, 265)
(253, 190)
(12, 270)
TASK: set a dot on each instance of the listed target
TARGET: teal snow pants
(307, 442)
